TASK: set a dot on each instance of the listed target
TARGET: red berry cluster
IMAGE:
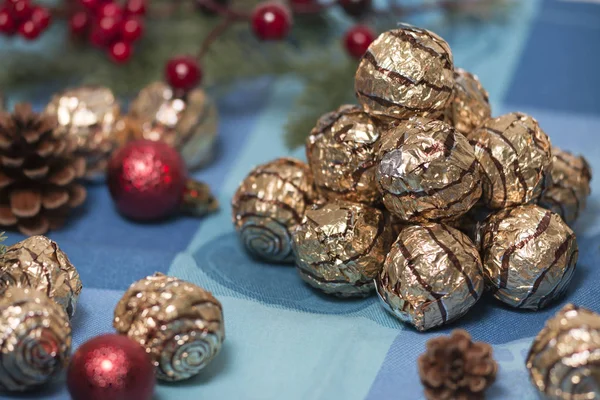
(110, 26)
(24, 17)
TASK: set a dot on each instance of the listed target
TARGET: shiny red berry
(271, 21)
(21, 10)
(7, 23)
(356, 8)
(29, 30)
(132, 29)
(41, 17)
(135, 7)
(97, 38)
(183, 73)
(120, 52)
(358, 39)
(91, 4)
(108, 28)
(111, 10)
(79, 23)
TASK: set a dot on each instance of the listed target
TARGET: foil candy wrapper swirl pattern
(188, 124)
(38, 263)
(529, 256)
(431, 276)
(427, 171)
(470, 106)
(405, 72)
(269, 204)
(515, 156)
(341, 153)
(35, 339)
(179, 324)
(563, 359)
(570, 185)
(88, 114)
(340, 247)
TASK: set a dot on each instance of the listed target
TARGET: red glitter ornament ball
(183, 72)
(146, 180)
(271, 21)
(357, 40)
(111, 367)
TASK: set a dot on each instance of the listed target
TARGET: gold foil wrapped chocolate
(529, 256)
(269, 204)
(340, 247)
(88, 114)
(188, 124)
(431, 276)
(35, 339)
(405, 72)
(179, 324)
(427, 171)
(38, 263)
(563, 359)
(569, 187)
(515, 155)
(470, 106)
(341, 155)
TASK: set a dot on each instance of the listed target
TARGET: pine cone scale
(54, 199)
(36, 173)
(25, 203)
(7, 218)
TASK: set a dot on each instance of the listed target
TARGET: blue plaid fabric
(286, 341)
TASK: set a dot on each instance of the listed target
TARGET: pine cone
(455, 368)
(38, 170)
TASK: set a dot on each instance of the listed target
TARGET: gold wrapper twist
(35, 339)
(189, 124)
(529, 256)
(470, 106)
(341, 154)
(570, 185)
(88, 114)
(38, 263)
(179, 324)
(563, 359)
(431, 276)
(515, 155)
(427, 171)
(405, 72)
(269, 204)
(340, 247)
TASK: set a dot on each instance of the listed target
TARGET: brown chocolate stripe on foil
(401, 79)
(325, 281)
(585, 169)
(475, 259)
(410, 264)
(276, 174)
(449, 143)
(570, 270)
(454, 260)
(498, 166)
(402, 35)
(386, 103)
(539, 230)
(248, 196)
(356, 176)
(338, 135)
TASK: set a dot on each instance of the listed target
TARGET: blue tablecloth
(286, 341)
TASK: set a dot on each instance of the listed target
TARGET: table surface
(286, 341)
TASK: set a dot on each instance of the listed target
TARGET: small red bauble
(120, 52)
(183, 73)
(41, 17)
(146, 180)
(111, 10)
(358, 39)
(29, 30)
(136, 7)
(79, 23)
(271, 21)
(108, 28)
(7, 23)
(21, 10)
(111, 367)
(132, 29)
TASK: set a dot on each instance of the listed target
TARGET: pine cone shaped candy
(38, 263)
(35, 339)
(515, 156)
(38, 172)
(456, 368)
(269, 204)
(405, 72)
(179, 324)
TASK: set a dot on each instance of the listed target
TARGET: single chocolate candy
(563, 360)
(431, 276)
(529, 256)
(340, 247)
(427, 171)
(341, 155)
(406, 71)
(268, 204)
(515, 155)
(570, 185)
(470, 106)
